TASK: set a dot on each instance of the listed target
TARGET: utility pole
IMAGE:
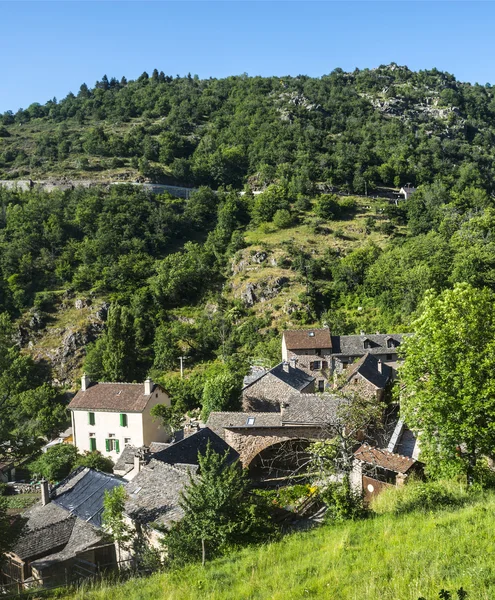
(182, 359)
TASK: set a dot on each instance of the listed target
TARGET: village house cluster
(283, 409)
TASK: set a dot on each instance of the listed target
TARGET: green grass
(388, 557)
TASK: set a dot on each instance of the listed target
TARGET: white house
(407, 191)
(107, 416)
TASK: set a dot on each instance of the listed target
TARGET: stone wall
(250, 442)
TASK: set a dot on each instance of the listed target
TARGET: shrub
(328, 207)
(343, 503)
(422, 497)
(282, 219)
(347, 205)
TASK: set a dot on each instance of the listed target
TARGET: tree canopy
(448, 381)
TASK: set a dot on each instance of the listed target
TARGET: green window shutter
(123, 420)
(91, 418)
(117, 446)
(107, 445)
(92, 444)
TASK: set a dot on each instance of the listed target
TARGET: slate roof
(125, 462)
(307, 339)
(311, 409)
(121, 397)
(69, 522)
(367, 367)
(383, 458)
(218, 421)
(353, 345)
(154, 494)
(82, 493)
(292, 376)
(45, 539)
(186, 451)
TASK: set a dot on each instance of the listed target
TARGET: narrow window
(321, 385)
(123, 420)
(91, 418)
(92, 444)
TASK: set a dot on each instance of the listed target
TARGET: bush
(328, 207)
(347, 205)
(422, 497)
(282, 219)
(343, 503)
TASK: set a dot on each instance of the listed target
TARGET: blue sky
(50, 48)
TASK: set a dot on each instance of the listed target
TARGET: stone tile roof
(70, 522)
(125, 462)
(154, 494)
(383, 458)
(353, 345)
(120, 397)
(367, 367)
(186, 451)
(294, 377)
(307, 339)
(82, 493)
(218, 421)
(311, 409)
(36, 542)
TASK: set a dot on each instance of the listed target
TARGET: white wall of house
(140, 430)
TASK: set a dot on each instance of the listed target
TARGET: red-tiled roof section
(124, 397)
(384, 458)
(306, 339)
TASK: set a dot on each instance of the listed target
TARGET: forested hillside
(217, 276)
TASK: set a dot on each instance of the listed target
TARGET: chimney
(137, 463)
(148, 387)
(85, 382)
(380, 366)
(45, 492)
(285, 366)
(293, 362)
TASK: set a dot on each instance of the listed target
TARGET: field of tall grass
(423, 540)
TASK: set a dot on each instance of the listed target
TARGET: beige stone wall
(250, 442)
(363, 387)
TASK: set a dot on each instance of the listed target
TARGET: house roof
(82, 493)
(367, 367)
(292, 376)
(307, 339)
(70, 522)
(154, 494)
(121, 397)
(186, 451)
(40, 541)
(218, 421)
(353, 345)
(314, 409)
(383, 458)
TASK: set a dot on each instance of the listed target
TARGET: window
(91, 418)
(250, 421)
(127, 440)
(123, 420)
(315, 366)
(92, 443)
(321, 385)
(111, 444)
(390, 343)
(389, 357)
(367, 344)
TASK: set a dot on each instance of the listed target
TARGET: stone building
(346, 349)
(62, 538)
(107, 416)
(309, 350)
(368, 376)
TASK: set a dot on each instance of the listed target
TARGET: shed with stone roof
(107, 416)
(62, 532)
(377, 468)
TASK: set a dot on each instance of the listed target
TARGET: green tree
(448, 382)
(113, 517)
(95, 460)
(218, 512)
(56, 463)
(221, 392)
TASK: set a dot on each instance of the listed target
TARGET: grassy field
(387, 557)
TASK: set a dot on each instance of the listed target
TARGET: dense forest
(167, 265)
